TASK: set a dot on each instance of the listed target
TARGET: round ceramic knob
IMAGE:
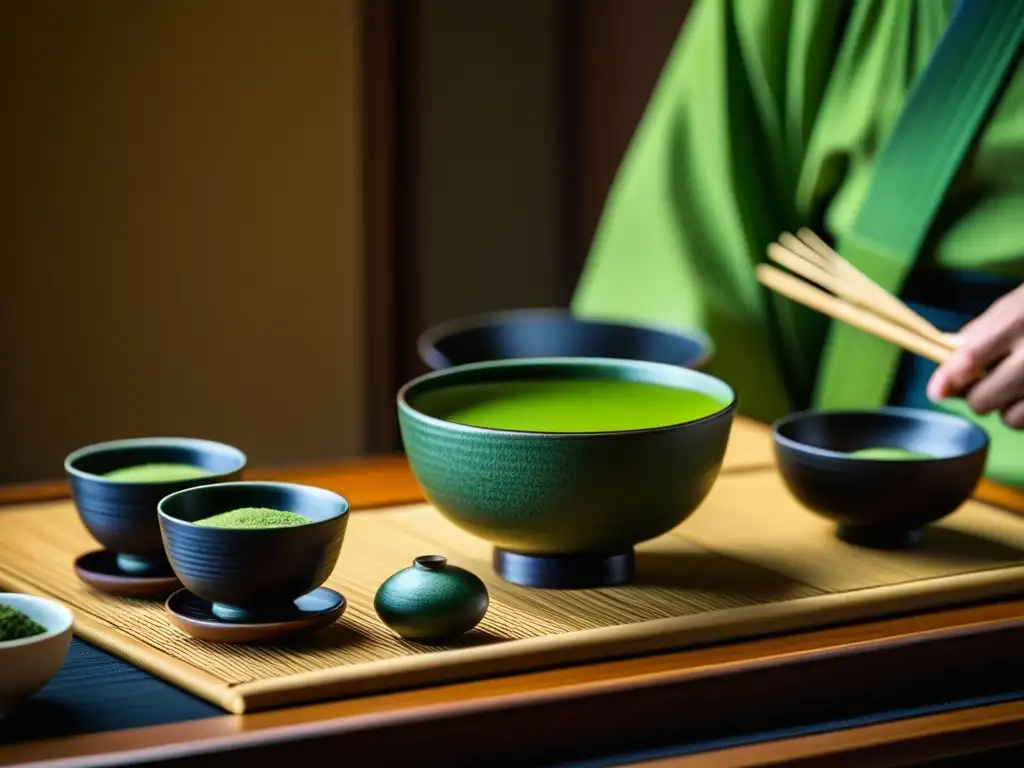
(431, 602)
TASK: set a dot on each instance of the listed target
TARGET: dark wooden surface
(966, 659)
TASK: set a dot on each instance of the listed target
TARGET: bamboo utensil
(834, 287)
(891, 304)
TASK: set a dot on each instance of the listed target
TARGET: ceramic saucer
(100, 571)
(195, 616)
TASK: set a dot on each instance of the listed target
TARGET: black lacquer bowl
(253, 574)
(530, 333)
(122, 516)
(883, 503)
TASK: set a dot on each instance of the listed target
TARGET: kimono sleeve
(707, 182)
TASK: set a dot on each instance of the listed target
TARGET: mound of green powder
(254, 517)
(15, 625)
(157, 473)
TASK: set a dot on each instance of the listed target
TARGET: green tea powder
(254, 517)
(15, 625)
(157, 473)
(889, 454)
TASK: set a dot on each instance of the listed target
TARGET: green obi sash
(946, 111)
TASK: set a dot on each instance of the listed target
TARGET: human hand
(987, 368)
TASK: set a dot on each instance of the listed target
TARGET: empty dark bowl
(121, 515)
(877, 502)
(253, 574)
(564, 509)
(525, 333)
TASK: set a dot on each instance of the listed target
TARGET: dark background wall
(182, 246)
(614, 51)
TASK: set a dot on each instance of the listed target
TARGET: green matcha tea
(253, 517)
(17, 625)
(157, 473)
(567, 405)
(890, 454)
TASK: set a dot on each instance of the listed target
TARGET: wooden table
(708, 701)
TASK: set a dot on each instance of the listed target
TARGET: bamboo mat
(749, 562)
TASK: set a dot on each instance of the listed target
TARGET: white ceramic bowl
(26, 665)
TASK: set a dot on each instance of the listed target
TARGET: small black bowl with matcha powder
(116, 487)
(880, 475)
(252, 557)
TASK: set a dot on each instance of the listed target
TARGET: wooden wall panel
(182, 238)
(485, 218)
(615, 50)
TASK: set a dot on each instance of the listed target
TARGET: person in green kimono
(771, 116)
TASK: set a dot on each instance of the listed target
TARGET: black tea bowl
(253, 574)
(121, 515)
(880, 502)
(530, 333)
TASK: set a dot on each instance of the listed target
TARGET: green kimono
(768, 117)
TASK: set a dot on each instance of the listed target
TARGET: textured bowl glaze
(530, 333)
(557, 494)
(431, 601)
(880, 502)
(121, 516)
(253, 574)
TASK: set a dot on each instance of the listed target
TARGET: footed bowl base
(576, 571)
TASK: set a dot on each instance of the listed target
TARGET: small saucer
(100, 571)
(195, 616)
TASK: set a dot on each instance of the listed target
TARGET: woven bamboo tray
(749, 562)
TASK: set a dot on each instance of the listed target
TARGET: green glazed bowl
(564, 510)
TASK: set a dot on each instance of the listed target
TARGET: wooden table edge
(944, 735)
(387, 481)
(567, 685)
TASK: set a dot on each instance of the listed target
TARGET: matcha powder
(15, 625)
(253, 517)
(157, 473)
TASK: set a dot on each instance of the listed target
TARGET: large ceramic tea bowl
(880, 502)
(564, 509)
(530, 333)
(253, 574)
(27, 664)
(121, 515)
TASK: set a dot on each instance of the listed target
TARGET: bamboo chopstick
(851, 292)
(799, 247)
(804, 293)
(887, 303)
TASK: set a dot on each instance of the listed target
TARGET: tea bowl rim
(916, 414)
(197, 443)
(62, 618)
(611, 363)
(162, 514)
(429, 338)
